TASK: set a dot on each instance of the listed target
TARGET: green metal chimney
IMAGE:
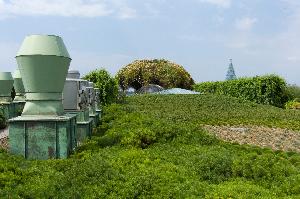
(43, 130)
(19, 100)
(6, 85)
(43, 62)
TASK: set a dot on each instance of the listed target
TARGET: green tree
(108, 85)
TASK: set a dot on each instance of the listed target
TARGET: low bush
(292, 104)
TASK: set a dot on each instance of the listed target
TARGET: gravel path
(274, 138)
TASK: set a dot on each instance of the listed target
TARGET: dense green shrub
(156, 71)
(3, 123)
(269, 89)
(106, 83)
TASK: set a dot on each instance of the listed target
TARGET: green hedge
(270, 89)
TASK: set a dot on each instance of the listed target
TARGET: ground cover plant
(154, 146)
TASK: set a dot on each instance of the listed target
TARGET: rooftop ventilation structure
(19, 100)
(43, 62)
(6, 85)
(97, 104)
(76, 103)
(75, 94)
(91, 97)
(43, 130)
(92, 104)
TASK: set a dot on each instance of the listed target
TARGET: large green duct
(6, 85)
(19, 87)
(43, 62)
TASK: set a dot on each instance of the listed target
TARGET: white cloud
(65, 8)
(220, 3)
(245, 23)
(127, 13)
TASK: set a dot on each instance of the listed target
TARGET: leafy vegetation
(292, 104)
(271, 89)
(155, 147)
(107, 85)
(3, 123)
(157, 71)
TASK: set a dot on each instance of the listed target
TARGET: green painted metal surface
(96, 119)
(81, 115)
(84, 131)
(42, 139)
(43, 45)
(43, 130)
(19, 87)
(43, 61)
(6, 85)
(84, 124)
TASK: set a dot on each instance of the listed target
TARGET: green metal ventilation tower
(19, 100)
(6, 85)
(43, 130)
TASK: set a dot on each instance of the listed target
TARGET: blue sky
(261, 36)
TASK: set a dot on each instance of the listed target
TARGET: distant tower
(230, 73)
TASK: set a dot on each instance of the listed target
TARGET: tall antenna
(230, 72)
